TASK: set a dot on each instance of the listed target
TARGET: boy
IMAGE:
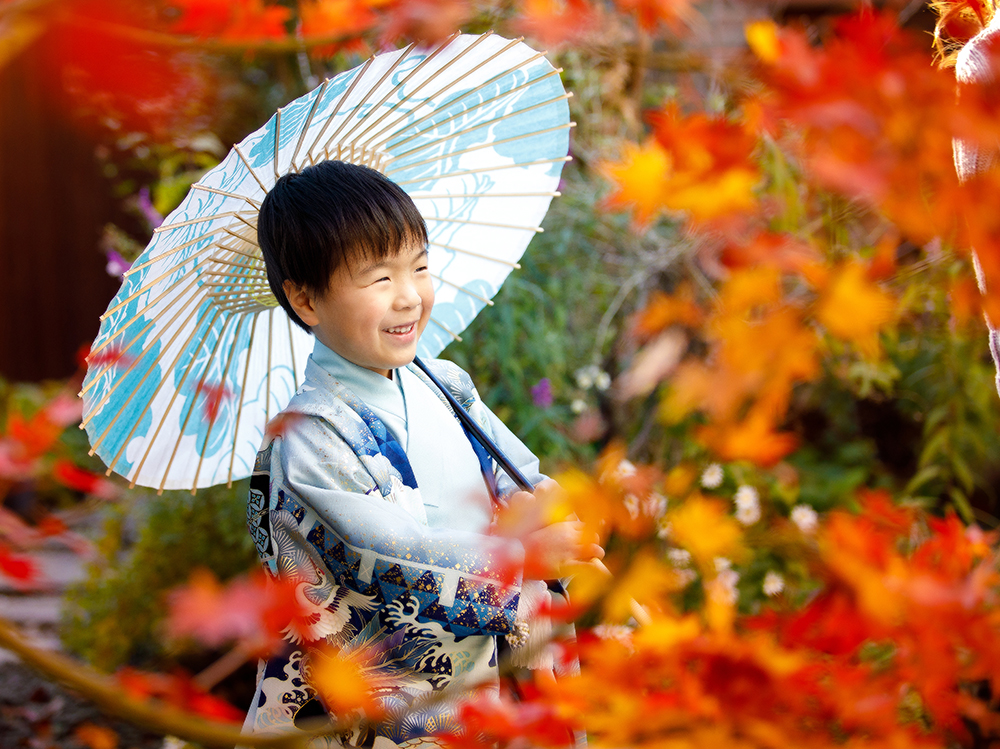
(372, 499)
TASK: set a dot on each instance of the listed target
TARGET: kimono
(334, 506)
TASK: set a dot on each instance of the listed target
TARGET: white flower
(747, 505)
(773, 583)
(632, 505)
(723, 587)
(616, 632)
(624, 469)
(686, 576)
(603, 381)
(655, 505)
(679, 557)
(664, 530)
(578, 406)
(711, 477)
(805, 518)
(722, 564)
(586, 375)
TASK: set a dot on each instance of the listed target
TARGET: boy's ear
(302, 301)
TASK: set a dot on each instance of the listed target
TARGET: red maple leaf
(214, 395)
(178, 690)
(252, 610)
(430, 21)
(21, 570)
(82, 480)
(249, 20)
(97, 56)
(109, 356)
(556, 22)
(281, 423)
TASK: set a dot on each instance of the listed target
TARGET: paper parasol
(194, 356)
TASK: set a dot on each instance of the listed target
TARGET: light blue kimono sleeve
(323, 496)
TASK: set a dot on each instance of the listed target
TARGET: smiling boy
(374, 501)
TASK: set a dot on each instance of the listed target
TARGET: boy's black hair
(317, 220)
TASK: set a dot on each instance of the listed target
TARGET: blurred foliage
(149, 545)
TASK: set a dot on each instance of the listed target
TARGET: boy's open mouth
(401, 329)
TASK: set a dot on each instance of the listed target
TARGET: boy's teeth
(402, 329)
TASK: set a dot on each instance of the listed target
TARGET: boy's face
(374, 312)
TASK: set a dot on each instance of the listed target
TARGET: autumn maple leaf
(663, 310)
(853, 308)
(781, 251)
(430, 21)
(176, 689)
(108, 357)
(754, 438)
(321, 18)
(96, 737)
(713, 172)
(94, 48)
(252, 610)
(675, 14)
(20, 570)
(639, 180)
(232, 19)
(214, 395)
(705, 528)
(555, 22)
(80, 479)
(342, 680)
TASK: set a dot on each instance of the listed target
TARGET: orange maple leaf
(754, 438)
(554, 23)
(96, 737)
(232, 19)
(675, 14)
(252, 610)
(663, 310)
(429, 21)
(705, 528)
(329, 17)
(640, 181)
(855, 309)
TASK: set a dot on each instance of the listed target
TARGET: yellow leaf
(667, 632)
(855, 309)
(639, 179)
(647, 582)
(762, 36)
(704, 528)
(341, 683)
(96, 737)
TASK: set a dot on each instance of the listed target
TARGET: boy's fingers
(592, 551)
(518, 498)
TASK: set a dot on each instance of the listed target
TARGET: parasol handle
(639, 612)
(477, 431)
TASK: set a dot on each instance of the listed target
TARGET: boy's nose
(407, 296)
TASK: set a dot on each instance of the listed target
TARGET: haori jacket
(335, 508)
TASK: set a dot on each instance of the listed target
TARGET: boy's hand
(527, 511)
(550, 551)
(550, 548)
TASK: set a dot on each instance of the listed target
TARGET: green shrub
(151, 544)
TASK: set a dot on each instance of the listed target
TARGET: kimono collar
(378, 392)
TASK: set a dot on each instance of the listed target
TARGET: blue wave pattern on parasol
(194, 356)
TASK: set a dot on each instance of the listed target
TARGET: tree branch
(152, 714)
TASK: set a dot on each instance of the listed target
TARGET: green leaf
(961, 503)
(923, 476)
